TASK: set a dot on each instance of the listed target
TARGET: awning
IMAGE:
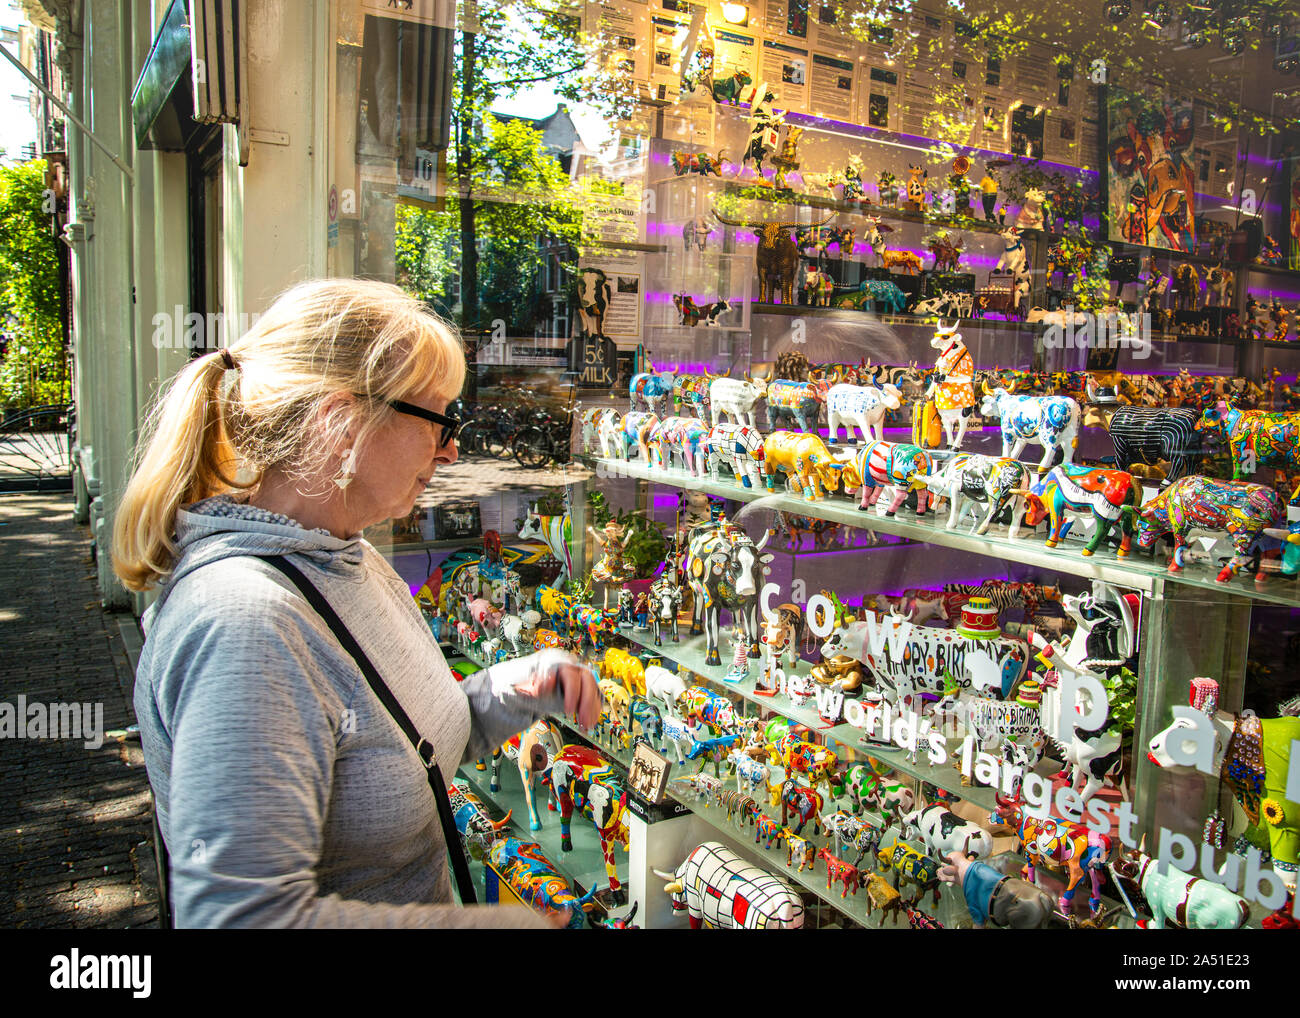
(192, 76)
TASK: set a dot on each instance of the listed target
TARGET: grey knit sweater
(286, 794)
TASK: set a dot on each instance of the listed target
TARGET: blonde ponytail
(317, 339)
(184, 455)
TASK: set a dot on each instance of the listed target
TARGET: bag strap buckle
(427, 755)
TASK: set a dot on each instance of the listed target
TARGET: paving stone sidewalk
(75, 829)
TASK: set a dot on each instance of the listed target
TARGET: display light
(1116, 10)
(735, 14)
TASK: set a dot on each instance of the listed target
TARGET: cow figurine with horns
(725, 568)
(649, 392)
(1049, 421)
(1257, 438)
(737, 399)
(797, 403)
(860, 408)
(714, 886)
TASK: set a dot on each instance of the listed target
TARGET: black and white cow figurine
(1147, 434)
(665, 601)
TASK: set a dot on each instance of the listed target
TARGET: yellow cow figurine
(805, 459)
(629, 670)
(618, 699)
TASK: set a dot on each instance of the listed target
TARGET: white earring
(346, 469)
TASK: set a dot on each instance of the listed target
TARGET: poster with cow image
(1150, 178)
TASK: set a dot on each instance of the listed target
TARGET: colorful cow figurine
(766, 831)
(838, 869)
(649, 392)
(683, 436)
(635, 430)
(897, 466)
(1181, 899)
(853, 832)
(697, 162)
(597, 425)
(804, 802)
(665, 601)
(533, 751)
(691, 392)
(799, 848)
(1105, 494)
(804, 460)
(1239, 509)
(724, 567)
(472, 820)
(989, 480)
(582, 778)
(536, 881)
(797, 403)
(691, 731)
(910, 865)
(1069, 848)
(952, 392)
(1257, 438)
(1049, 421)
(807, 758)
(714, 886)
(861, 408)
(740, 447)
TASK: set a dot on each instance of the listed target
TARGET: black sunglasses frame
(450, 425)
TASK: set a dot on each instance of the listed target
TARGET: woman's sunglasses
(450, 425)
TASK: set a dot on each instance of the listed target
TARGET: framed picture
(648, 774)
(1150, 171)
(456, 520)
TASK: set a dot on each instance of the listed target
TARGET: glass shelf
(690, 653)
(1138, 571)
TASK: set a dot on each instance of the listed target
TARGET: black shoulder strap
(455, 850)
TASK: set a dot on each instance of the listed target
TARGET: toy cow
(894, 465)
(798, 403)
(861, 408)
(985, 480)
(805, 462)
(740, 447)
(1103, 494)
(665, 685)
(801, 849)
(1148, 435)
(649, 391)
(582, 778)
(594, 429)
(1070, 849)
(691, 392)
(536, 881)
(943, 831)
(852, 832)
(533, 750)
(714, 886)
(679, 436)
(838, 869)
(908, 864)
(804, 802)
(1049, 421)
(635, 430)
(1239, 509)
(472, 820)
(725, 568)
(1252, 757)
(1256, 438)
(881, 896)
(665, 600)
(818, 287)
(1182, 900)
(736, 398)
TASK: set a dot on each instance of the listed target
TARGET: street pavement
(75, 843)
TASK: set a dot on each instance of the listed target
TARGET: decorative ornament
(346, 469)
(1271, 810)
(1215, 829)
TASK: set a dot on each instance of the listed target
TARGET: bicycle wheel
(532, 448)
(470, 441)
(499, 443)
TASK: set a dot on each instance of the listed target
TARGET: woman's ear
(337, 417)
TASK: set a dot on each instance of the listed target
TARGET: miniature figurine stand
(659, 838)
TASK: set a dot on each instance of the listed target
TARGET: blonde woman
(288, 794)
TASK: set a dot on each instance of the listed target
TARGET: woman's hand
(554, 671)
